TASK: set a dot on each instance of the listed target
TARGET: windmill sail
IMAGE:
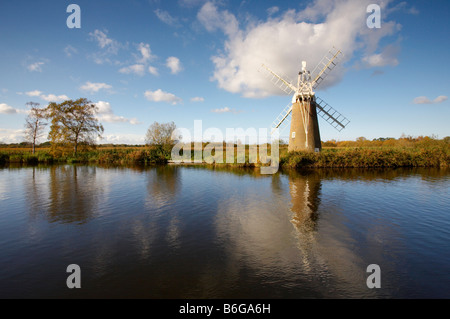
(280, 122)
(284, 85)
(333, 117)
(325, 66)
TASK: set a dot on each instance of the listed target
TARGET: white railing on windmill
(307, 82)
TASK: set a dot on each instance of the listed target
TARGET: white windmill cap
(303, 66)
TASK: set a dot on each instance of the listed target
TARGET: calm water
(190, 232)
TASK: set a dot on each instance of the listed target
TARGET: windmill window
(293, 134)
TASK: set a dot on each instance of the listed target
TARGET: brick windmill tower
(305, 105)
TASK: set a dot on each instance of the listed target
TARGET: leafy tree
(160, 134)
(74, 123)
(35, 124)
(161, 138)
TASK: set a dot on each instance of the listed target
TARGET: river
(195, 232)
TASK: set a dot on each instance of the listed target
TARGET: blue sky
(187, 60)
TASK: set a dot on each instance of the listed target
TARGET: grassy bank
(101, 156)
(433, 154)
(368, 157)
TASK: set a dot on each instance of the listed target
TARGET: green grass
(425, 153)
(369, 157)
(107, 156)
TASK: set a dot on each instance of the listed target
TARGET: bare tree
(35, 124)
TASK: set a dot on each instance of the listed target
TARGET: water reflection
(305, 197)
(73, 194)
(193, 232)
(163, 184)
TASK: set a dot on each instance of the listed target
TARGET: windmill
(305, 105)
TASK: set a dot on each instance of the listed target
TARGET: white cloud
(165, 17)
(197, 99)
(35, 67)
(53, 97)
(11, 135)
(49, 97)
(106, 114)
(225, 110)
(7, 109)
(138, 69)
(161, 96)
(282, 42)
(95, 87)
(34, 93)
(272, 10)
(387, 57)
(146, 53)
(69, 50)
(213, 20)
(174, 64)
(425, 100)
(110, 45)
(153, 70)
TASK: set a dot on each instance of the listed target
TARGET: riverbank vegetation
(406, 151)
(402, 152)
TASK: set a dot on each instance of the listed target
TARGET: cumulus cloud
(161, 96)
(11, 135)
(225, 110)
(101, 37)
(54, 98)
(146, 53)
(425, 100)
(197, 99)
(165, 17)
(388, 57)
(106, 114)
(213, 19)
(35, 67)
(7, 109)
(95, 87)
(272, 10)
(153, 70)
(48, 97)
(282, 42)
(34, 93)
(70, 50)
(174, 64)
(109, 47)
(138, 69)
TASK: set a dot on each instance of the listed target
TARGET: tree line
(73, 123)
